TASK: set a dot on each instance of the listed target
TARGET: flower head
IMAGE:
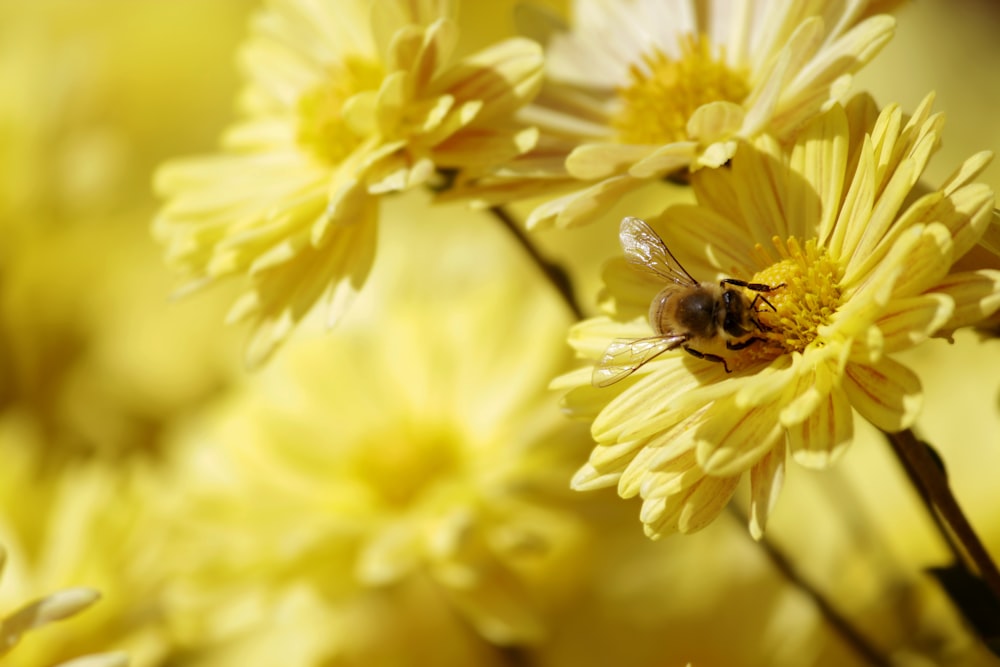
(346, 100)
(641, 89)
(418, 452)
(852, 265)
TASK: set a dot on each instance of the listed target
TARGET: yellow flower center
(322, 129)
(809, 297)
(663, 95)
(401, 469)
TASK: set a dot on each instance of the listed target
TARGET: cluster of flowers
(794, 188)
(398, 491)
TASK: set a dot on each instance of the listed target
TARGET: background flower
(418, 453)
(344, 102)
(639, 90)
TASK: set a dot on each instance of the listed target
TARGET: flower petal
(976, 295)
(887, 393)
(908, 322)
(766, 480)
(819, 439)
(730, 439)
(593, 161)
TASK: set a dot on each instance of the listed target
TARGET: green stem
(839, 623)
(554, 273)
(932, 484)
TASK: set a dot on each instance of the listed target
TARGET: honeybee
(685, 311)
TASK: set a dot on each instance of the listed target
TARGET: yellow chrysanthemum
(49, 609)
(80, 527)
(861, 267)
(419, 450)
(640, 89)
(347, 100)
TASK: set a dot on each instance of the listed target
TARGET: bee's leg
(707, 357)
(744, 343)
(756, 287)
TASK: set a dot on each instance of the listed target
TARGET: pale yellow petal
(593, 161)
(730, 440)
(888, 394)
(819, 439)
(975, 294)
(766, 480)
(665, 160)
(578, 208)
(911, 321)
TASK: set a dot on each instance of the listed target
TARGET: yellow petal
(907, 322)
(730, 439)
(665, 160)
(593, 161)
(976, 295)
(887, 393)
(766, 479)
(819, 439)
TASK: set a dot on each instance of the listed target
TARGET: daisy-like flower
(420, 448)
(347, 100)
(859, 268)
(640, 89)
(49, 609)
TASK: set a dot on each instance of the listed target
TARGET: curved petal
(819, 439)
(766, 480)
(730, 439)
(593, 161)
(976, 295)
(908, 322)
(887, 393)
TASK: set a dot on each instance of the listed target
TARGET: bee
(685, 311)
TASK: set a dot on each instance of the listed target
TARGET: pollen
(663, 93)
(807, 299)
(322, 129)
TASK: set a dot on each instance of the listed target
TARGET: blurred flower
(337, 112)
(860, 267)
(642, 89)
(51, 608)
(89, 347)
(412, 472)
(82, 530)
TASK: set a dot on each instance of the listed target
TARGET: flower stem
(840, 625)
(554, 273)
(931, 482)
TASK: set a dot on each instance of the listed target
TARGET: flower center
(400, 468)
(809, 298)
(322, 129)
(663, 94)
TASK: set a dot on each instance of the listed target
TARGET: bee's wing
(644, 248)
(624, 356)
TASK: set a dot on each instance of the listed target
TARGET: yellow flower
(49, 609)
(859, 266)
(420, 448)
(83, 528)
(337, 111)
(641, 89)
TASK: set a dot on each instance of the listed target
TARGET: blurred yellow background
(100, 370)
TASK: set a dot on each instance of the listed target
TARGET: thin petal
(976, 295)
(908, 322)
(818, 440)
(593, 161)
(766, 480)
(730, 440)
(888, 394)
